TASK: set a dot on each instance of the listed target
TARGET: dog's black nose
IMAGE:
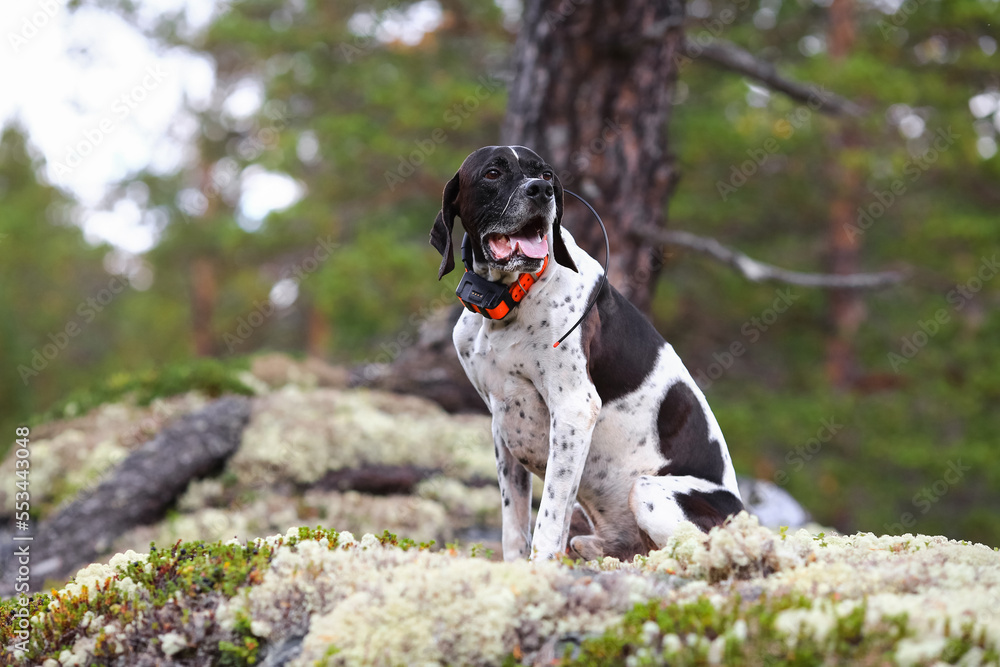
(539, 191)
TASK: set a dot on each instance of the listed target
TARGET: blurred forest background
(878, 409)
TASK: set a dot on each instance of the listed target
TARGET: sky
(101, 102)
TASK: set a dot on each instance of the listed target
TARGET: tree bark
(318, 333)
(204, 292)
(592, 95)
(846, 308)
(204, 285)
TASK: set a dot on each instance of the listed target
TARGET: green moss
(61, 618)
(238, 655)
(211, 377)
(388, 539)
(192, 568)
(699, 633)
(188, 569)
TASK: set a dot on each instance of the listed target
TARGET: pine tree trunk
(204, 291)
(846, 308)
(318, 333)
(592, 95)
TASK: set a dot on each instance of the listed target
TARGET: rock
(278, 370)
(772, 505)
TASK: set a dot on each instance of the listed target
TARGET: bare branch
(757, 272)
(731, 57)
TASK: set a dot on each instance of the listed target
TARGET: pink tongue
(532, 245)
(501, 246)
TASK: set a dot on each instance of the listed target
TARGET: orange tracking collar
(492, 300)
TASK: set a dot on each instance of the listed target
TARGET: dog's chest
(504, 366)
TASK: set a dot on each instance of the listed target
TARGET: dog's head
(509, 201)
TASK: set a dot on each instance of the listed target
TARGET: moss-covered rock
(296, 436)
(740, 595)
(302, 428)
(71, 455)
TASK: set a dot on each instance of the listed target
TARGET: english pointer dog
(610, 418)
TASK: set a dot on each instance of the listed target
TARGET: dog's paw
(587, 547)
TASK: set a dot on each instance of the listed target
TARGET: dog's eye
(547, 175)
(492, 174)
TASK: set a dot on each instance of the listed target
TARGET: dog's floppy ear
(559, 249)
(443, 225)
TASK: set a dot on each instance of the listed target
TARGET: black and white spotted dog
(611, 418)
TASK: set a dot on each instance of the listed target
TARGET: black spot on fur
(506, 502)
(649, 507)
(684, 440)
(708, 509)
(620, 344)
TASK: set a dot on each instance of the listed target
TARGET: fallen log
(138, 491)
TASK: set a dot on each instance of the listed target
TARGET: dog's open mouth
(530, 241)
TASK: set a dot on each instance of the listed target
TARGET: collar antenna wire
(604, 278)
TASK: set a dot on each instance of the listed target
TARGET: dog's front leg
(515, 498)
(571, 425)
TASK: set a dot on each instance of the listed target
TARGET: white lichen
(383, 605)
(172, 642)
(298, 436)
